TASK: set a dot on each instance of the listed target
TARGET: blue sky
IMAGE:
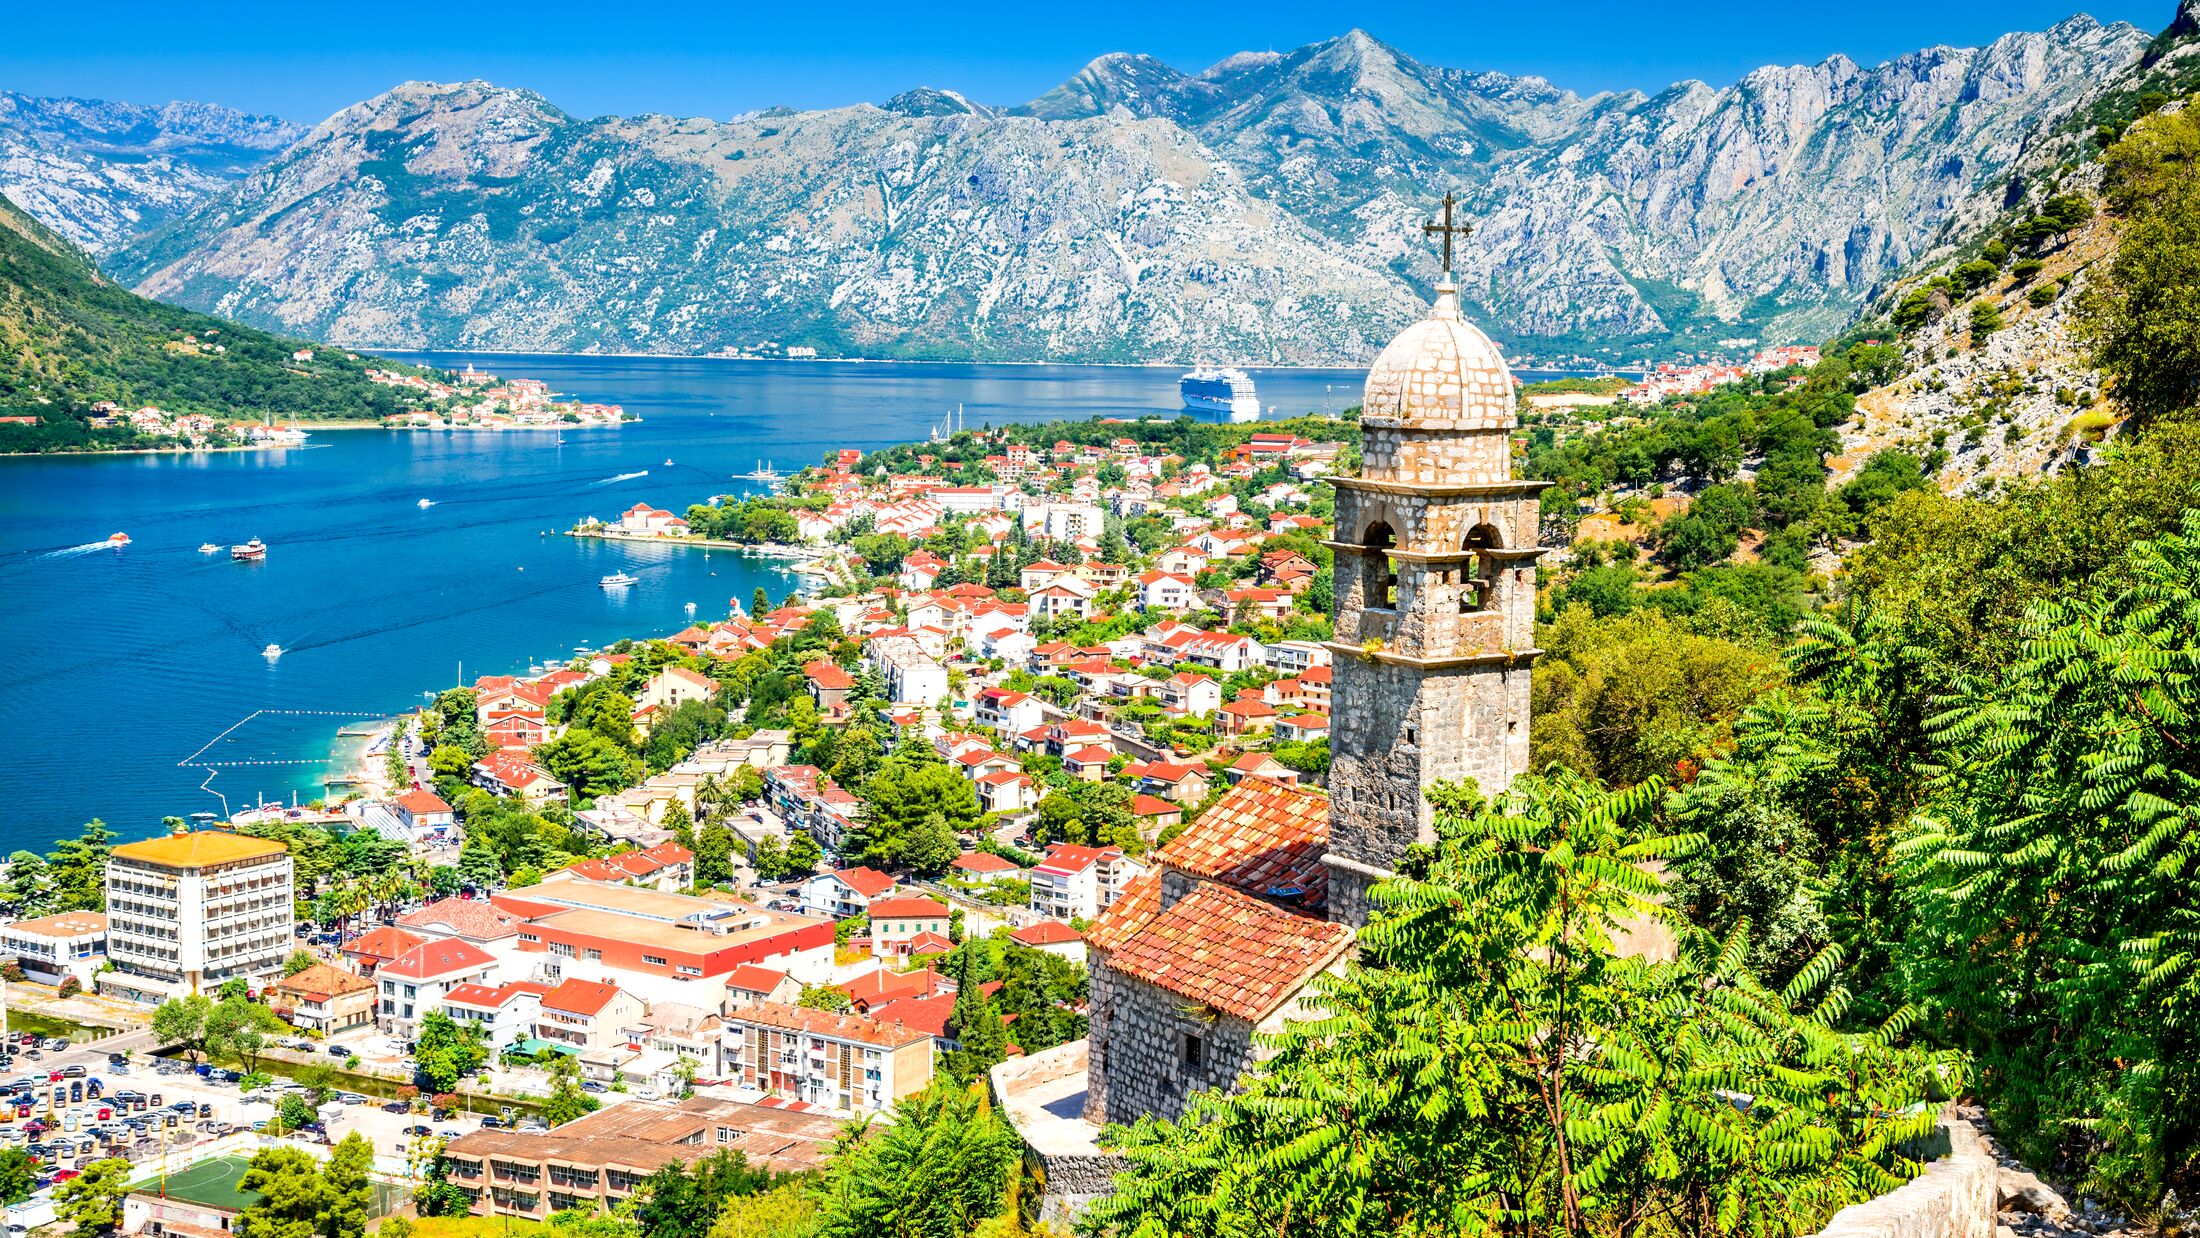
(307, 60)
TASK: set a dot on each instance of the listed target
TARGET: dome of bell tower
(1441, 373)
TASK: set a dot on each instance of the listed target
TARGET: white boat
(668, 462)
(618, 580)
(272, 652)
(427, 503)
(209, 548)
(1226, 391)
(763, 472)
(254, 549)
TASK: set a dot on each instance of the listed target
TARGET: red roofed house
(1260, 765)
(514, 775)
(505, 1015)
(415, 982)
(1088, 764)
(1243, 717)
(425, 813)
(984, 866)
(587, 1014)
(653, 521)
(844, 1064)
(1184, 783)
(829, 686)
(666, 866)
(845, 892)
(1009, 712)
(1053, 937)
(324, 999)
(675, 686)
(1074, 883)
(1155, 814)
(748, 985)
(894, 921)
(379, 945)
(1302, 728)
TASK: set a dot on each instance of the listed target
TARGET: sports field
(211, 1183)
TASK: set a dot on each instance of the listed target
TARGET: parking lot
(147, 1107)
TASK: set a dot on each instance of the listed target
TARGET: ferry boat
(209, 548)
(618, 580)
(1227, 391)
(272, 652)
(254, 549)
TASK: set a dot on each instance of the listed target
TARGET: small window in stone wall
(1195, 1051)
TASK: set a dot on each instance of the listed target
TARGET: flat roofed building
(189, 911)
(598, 1160)
(49, 948)
(654, 944)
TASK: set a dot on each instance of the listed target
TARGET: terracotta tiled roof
(324, 982)
(438, 958)
(1230, 951)
(869, 882)
(1121, 920)
(587, 997)
(753, 979)
(1045, 933)
(1264, 838)
(383, 942)
(418, 801)
(879, 985)
(465, 917)
(882, 1032)
(906, 908)
(983, 862)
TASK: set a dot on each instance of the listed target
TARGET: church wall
(1137, 1046)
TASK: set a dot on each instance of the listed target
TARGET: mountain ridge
(1768, 209)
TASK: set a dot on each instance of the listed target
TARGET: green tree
(238, 1028)
(2060, 854)
(976, 1027)
(350, 1191)
(803, 854)
(825, 997)
(78, 868)
(91, 1202)
(939, 1169)
(181, 1022)
(900, 799)
(589, 763)
(18, 1175)
(714, 855)
(446, 1054)
(299, 961)
(567, 1099)
(1491, 1064)
(293, 1199)
(932, 846)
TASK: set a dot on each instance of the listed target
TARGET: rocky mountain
(1263, 210)
(100, 173)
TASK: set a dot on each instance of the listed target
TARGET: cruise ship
(1228, 391)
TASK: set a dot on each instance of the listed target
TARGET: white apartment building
(189, 911)
(913, 677)
(1075, 883)
(51, 948)
(844, 1063)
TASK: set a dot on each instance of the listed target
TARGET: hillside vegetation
(70, 338)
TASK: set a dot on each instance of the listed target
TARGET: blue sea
(136, 687)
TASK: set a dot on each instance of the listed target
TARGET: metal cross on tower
(1448, 229)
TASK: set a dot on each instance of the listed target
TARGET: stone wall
(1954, 1198)
(1137, 1045)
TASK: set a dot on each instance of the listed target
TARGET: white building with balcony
(189, 911)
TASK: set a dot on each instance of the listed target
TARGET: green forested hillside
(69, 338)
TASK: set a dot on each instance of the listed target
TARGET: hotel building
(189, 911)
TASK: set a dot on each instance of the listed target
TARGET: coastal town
(786, 866)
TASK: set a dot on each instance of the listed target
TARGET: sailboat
(763, 472)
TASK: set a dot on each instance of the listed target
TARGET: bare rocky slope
(1261, 211)
(101, 173)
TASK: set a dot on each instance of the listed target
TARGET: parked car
(395, 1106)
(490, 1121)
(593, 1086)
(339, 1051)
(416, 1130)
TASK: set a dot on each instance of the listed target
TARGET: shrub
(2026, 268)
(71, 986)
(1985, 319)
(2045, 294)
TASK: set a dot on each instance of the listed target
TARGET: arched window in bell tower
(1480, 592)
(1379, 579)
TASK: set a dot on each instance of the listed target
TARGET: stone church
(1435, 637)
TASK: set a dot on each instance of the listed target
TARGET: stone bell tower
(1435, 586)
